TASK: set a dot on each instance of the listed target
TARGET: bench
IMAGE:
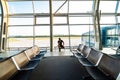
(92, 57)
(85, 52)
(38, 52)
(18, 66)
(110, 66)
(107, 69)
(22, 62)
(31, 55)
(99, 65)
(28, 63)
(7, 69)
(78, 51)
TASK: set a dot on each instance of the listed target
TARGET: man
(60, 44)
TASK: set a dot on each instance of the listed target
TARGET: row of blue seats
(14, 67)
(99, 65)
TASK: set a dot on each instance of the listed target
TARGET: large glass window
(20, 31)
(86, 34)
(60, 30)
(18, 36)
(60, 7)
(21, 21)
(42, 30)
(20, 7)
(80, 20)
(42, 20)
(107, 20)
(80, 6)
(20, 42)
(41, 6)
(60, 20)
(74, 19)
(118, 19)
(107, 6)
(42, 36)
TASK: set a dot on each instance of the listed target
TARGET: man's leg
(59, 49)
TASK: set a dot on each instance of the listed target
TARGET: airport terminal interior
(59, 40)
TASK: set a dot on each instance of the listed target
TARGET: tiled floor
(64, 52)
(67, 52)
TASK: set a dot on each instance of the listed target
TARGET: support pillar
(51, 26)
(4, 26)
(98, 40)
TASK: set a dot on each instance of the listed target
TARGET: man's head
(59, 38)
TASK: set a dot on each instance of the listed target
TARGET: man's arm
(63, 42)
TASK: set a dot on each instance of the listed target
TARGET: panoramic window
(74, 18)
